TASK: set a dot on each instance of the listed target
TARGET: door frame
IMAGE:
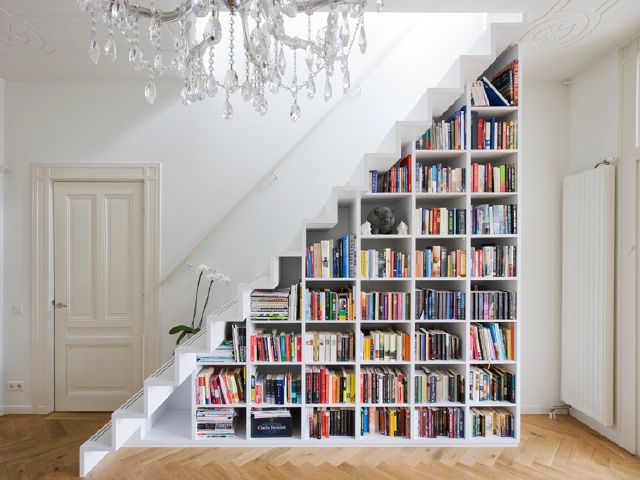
(42, 287)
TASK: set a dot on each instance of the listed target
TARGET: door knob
(60, 305)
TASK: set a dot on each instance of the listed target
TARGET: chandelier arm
(168, 16)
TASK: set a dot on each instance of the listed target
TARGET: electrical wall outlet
(15, 386)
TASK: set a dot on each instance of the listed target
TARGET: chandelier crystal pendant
(167, 42)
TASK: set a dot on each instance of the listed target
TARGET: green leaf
(179, 328)
(182, 335)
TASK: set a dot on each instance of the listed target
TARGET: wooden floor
(42, 447)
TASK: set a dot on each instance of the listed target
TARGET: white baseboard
(17, 409)
(535, 410)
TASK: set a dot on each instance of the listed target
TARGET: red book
(253, 345)
(298, 349)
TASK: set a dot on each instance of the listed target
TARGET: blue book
(493, 95)
(345, 256)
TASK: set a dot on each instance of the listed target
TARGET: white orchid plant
(212, 276)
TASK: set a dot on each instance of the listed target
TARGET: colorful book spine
(492, 422)
(329, 305)
(386, 263)
(436, 422)
(494, 261)
(434, 386)
(276, 389)
(385, 345)
(441, 221)
(450, 134)
(492, 134)
(329, 346)
(383, 385)
(492, 384)
(492, 341)
(331, 258)
(486, 177)
(437, 261)
(387, 421)
(215, 386)
(493, 305)
(440, 179)
(436, 345)
(331, 422)
(395, 180)
(324, 385)
(494, 220)
(385, 306)
(440, 305)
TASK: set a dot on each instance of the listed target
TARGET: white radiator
(588, 255)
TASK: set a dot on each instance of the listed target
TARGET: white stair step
(134, 407)
(95, 449)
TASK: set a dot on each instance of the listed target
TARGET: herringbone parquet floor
(42, 447)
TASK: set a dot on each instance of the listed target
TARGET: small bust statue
(365, 228)
(382, 220)
(403, 229)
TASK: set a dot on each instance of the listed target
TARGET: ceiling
(48, 40)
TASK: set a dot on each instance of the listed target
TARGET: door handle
(60, 305)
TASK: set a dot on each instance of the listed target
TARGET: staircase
(146, 420)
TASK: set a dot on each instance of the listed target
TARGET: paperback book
(327, 385)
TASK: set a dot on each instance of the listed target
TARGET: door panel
(98, 243)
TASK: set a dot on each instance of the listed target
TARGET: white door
(98, 250)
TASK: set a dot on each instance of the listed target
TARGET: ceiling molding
(20, 37)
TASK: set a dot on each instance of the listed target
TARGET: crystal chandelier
(191, 54)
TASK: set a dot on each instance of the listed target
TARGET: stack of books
(494, 220)
(220, 386)
(385, 305)
(441, 221)
(448, 134)
(329, 346)
(493, 384)
(273, 304)
(332, 258)
(271, 422)
(436, 345)
(387, 421)
(492, 341)
(440, 305)
(275, 389)
(493, 261)
(329, 305)
(492, 422)
(436, 422)
(331, 422)
(275, 346)
(497, 178)
(437, 178)
(223, 353)
(216, 422)
(386, 263)
(385, 345)
(383, 385)
(493, 304)
(324, 385)
(396, 180)
(438, 262)
(433, 386)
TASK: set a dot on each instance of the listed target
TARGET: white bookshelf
(351, 213)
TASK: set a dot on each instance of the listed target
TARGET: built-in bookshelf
(407, 338)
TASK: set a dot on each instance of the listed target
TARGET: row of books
(440, 304)
(493, 384)
(216, 422)
(438, 261)
(492, 341)
(496, 178)
(494, 219)
(385, 305)
(383, 385)
(447, 134)
(492, 422)
(493, 305)
(329, 304)
(275, 389)
(493, 134)
(220, 386)
(386, 263)
(329, 346)
(493, 261)
(436, 345)
(438, 178)
(441, 221)
(332, 422)
(324, 385)
(331, 258)
(387, 421)
(433, 386)
(433, 422)
(395, 180)
(275, 346)
(385, 345)
(280, 304)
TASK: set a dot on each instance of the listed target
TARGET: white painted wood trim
(43, 178)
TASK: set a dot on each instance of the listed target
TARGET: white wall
(544, 163)
(2, 160)
(207, 165)
(595, 133)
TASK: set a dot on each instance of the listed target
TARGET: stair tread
(134, 407)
